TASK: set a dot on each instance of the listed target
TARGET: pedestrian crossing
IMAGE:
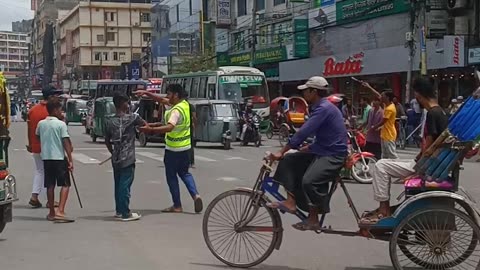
(96, 156)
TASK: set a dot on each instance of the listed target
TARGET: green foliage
(196, 63)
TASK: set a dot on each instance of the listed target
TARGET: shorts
(56, 173)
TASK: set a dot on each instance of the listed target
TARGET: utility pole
(411, 46)
(254, 34)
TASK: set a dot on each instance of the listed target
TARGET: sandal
(367, 214)
(172, 209)
(371, 220)
(280, 206)
(63, 219)
(50, 218)
(304, 226)
(35, 204)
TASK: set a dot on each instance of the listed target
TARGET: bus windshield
(240, 88)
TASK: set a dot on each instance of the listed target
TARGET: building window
(97, 56)
(146, 37)
(100, 38)
(238, 41)
(242, 7)
(122, 56)
(190, 7)
(278, 2)
(105, 56)
(260, 4)
(178, 12)
(109, 16)
(110, 36)
(145, 17)
(115, 56)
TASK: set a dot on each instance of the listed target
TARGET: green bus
(237, 84)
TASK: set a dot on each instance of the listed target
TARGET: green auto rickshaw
(102, 109)
(76, 110)
(216, 121)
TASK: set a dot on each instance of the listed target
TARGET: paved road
(169, 241)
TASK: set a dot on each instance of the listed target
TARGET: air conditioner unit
(457, 4)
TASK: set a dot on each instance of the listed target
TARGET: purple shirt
(375, 117)
(327, 124)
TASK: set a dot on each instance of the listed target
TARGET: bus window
(211, 91)
(195, 83)
(188, 85)
(202, 89)
(241, 87)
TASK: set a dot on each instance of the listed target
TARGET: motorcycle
(359, 164)
(253, 132)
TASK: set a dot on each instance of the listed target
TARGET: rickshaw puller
(306, 174)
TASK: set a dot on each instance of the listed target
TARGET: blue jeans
(123, 182)
(177, 164)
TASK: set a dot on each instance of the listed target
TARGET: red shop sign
(353, 65)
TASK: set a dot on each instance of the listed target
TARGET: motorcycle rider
(306, 174)
(247, 119)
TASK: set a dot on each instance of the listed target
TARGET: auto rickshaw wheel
(227, 144)
(2, 226)
(142, 139)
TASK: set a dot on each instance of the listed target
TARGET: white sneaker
(132, 217)
(118, 216)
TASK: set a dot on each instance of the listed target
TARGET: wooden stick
(105, 161)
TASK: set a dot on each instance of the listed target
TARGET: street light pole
(254, 34)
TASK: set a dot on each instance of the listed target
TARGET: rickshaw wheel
(142, 139)
(269, 132)
(224, 239)
(435, 238)
(283, 135)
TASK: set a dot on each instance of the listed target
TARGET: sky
(13, 10)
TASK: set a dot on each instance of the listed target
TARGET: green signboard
(357, 10)
(263, 56)
(240, 79)
(302, 38)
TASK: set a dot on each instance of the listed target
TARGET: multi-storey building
(340, 39)
(41, 58)
(13, 52)
(23, 26)
(97, 37)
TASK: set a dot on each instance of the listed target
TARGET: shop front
(384, 68)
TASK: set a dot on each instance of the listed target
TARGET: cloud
(13, 10)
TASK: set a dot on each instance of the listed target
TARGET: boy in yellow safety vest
(177, 147)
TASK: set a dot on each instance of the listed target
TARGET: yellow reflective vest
(179, 138)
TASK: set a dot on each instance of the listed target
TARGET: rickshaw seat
(297, 118)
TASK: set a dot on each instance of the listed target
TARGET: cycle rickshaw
(295, 115)
(435, 227)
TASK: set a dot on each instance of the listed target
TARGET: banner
(301, 38)
(223, 13)
(358, 10)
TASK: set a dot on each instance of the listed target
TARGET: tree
(195, 63)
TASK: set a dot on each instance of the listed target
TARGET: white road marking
(204, 158)
(82, 158)
(237, 158)
(228, 179)
(151, 155)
